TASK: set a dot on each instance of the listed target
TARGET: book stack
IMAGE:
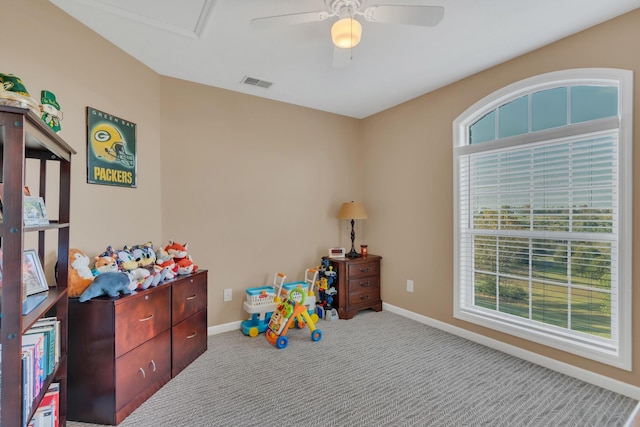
(40, 354)
(46, 414)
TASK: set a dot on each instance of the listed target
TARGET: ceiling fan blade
(291, 19)
(426, 16)
(341, 57)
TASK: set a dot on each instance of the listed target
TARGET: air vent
(256, 82)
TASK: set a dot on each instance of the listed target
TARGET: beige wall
(49, 50)
(253, 186)
(409, 163)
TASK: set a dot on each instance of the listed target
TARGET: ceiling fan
(346, 32)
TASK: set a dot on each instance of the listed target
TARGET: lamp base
(353, 254)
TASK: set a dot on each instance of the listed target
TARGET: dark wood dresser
(358, 284)
(124, 349)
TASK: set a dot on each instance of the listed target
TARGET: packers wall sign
(111, 150)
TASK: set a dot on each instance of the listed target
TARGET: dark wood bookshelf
(23, 135)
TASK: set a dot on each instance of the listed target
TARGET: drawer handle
(365, 270)
(143, 374)
(192, 335)
(365, 284)
(191, 297)
(364, 297)
(146, 318)
(152, 365)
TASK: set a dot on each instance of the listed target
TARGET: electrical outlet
(409, 285)
(227, 295)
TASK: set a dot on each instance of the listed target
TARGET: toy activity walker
(262, 301)
(292, 309)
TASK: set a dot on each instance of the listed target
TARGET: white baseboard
(564, 368)
(226, 327)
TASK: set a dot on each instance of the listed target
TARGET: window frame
(620, 356)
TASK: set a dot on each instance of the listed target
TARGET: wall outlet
(227, 295)
(409, 285)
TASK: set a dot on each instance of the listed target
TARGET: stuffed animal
(168, 265)
(80, 276)
(144, 254)
(179, 252)
(110, 284)
(142, 278)
(186, 266)
(176, 250)
(104, 264)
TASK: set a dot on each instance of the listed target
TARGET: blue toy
(111, 284)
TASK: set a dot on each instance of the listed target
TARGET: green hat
(13, 83)
(49, 98)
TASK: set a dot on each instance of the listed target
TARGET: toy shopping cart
(308, 287)
(260, 303)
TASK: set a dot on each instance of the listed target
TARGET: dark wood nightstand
(358, 284)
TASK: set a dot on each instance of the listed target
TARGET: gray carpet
(378, 369)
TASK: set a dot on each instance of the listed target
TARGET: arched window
(542, 179)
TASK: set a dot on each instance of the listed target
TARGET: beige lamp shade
(346, 33)
(352, 210)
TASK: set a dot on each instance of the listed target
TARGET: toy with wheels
(308, 288)
(291, 310)
(261, 302)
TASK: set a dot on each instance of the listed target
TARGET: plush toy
(80, 276)
(144, 254)
(110, 284)
(186, 266)
(142, 278)
(179, 252)
(166, 262)
(104, 264)
(176, 250)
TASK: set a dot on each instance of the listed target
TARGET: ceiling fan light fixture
(346, 33)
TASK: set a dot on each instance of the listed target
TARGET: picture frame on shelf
(34, 211)
(33, 279)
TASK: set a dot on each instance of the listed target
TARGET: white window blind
(539, 247)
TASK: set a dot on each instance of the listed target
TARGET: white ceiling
(212, 42)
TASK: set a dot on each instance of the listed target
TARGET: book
(56, 322)
(49, 332)
(51, 400)
(35, 342)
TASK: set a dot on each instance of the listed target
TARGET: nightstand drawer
(364, 290)
(363, 269)
(189, 296)
(147, 366)
(141, 317)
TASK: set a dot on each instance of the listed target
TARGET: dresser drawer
(364, 290)
(147, 366)
(141, 317)
(189, 296)
(189, 340)
(363, 269)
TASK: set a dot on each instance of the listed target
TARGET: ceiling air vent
(256, 82)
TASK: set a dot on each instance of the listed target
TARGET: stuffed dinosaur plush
(110, 284)
(80, 276)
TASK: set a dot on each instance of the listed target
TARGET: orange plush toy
(182, 258)
(80, 276)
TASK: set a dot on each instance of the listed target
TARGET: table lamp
(352, 210)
